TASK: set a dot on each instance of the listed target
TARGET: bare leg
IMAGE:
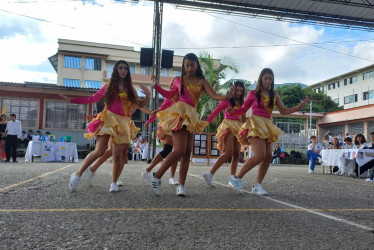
(259, 150)
(173, 169)
(102, 159)
(264, 166)
(117, 160)
(229, 145)
(2, 142)
(185, 160)
(101, 146)
(124, 157)
(179, 143)
(235, 157)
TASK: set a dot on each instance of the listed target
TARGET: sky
(308, 54)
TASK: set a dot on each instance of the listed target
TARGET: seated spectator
(348, 166)
(29, 136)
(22, 140)
(360, 141)
(37, 136)
(313, 153)
(369, 164)
(277, 152)
(340, 138)
(46, 137)
(334, 145)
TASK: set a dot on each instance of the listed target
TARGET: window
(350, 80)
(321, 89)
(72, 62)
(109, 69)
(350, 99)
(368, 95)
(132, 69)
(75, 83)
(178, 72)
(145, 70)
(368, 75)
(92, 84)
(26, 111)
(65, 115)
(336, 101)
(356, 128)
(164, 72)
(92, 63)
(333, 85)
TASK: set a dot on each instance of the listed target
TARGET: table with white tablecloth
(340, 157)
(145, 152)
(52, 151)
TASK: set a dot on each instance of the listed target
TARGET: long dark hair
(259, 86)
(363, 140)
(241, 98)
(112, 89)
(199, 72)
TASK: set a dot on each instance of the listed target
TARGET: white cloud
(30, 42)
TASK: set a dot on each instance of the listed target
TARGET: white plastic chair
(138, 155)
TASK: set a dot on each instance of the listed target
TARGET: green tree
(214, 72)
(293, 94)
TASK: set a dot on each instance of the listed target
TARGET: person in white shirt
(368, 165)
(13, 130)
(348, 165)
(313, 153)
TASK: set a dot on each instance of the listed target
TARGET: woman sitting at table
(369, 164)
(360, 141)
(349, 164)
(334, 145)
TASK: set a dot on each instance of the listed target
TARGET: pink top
(222, 106)
(165, 104)
(259, 110)
(120, 106)
(176, 89)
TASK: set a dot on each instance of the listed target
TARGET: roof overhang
(353, 14)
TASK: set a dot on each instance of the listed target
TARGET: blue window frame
(72, 62)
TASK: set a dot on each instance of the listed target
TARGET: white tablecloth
(145, 152)
(344, 157)
(52, 151)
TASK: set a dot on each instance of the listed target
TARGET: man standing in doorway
(13, 130)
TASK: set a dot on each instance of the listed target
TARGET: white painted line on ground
(297, 207)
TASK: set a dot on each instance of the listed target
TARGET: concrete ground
(302, 211)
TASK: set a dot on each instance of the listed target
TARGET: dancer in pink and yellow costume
(182, 119)
(113, 122)
(259, 130)
(228, 133)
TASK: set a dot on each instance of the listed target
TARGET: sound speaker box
(167, 58)
(146, 56)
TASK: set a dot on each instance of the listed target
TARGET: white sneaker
(145, 175)
(155, 183)
(172, 181)
(119, 183)
(236, 183)
(230, 184)
(369, 180)
(181, 191)
(113, 187)
(90, 175)
(208, 177)
(74, 180)
(311, 171)
(259, 190)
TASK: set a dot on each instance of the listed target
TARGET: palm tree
(214, 72)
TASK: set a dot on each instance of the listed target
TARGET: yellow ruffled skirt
(161, 133)
(226, 127)
(121, 129)
(179, 115)
(258, 126)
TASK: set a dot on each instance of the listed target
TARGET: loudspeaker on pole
(146, 56)
(167, 58)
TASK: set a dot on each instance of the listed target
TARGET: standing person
(13, 130)
(166, 139)
(334, 145)
(259, 130)
(113, 122)
(228, 133)
(314, 148)
(277, 152)
(341, 139)
(182, 119)
(3, 123)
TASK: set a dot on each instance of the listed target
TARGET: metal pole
(310, 119)
(156, 44)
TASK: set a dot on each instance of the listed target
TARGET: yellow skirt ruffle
(161, 134)
(258, 126)
(179, 115)
(224, 128)
(121, 129)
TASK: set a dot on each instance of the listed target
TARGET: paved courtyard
(302, 211)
